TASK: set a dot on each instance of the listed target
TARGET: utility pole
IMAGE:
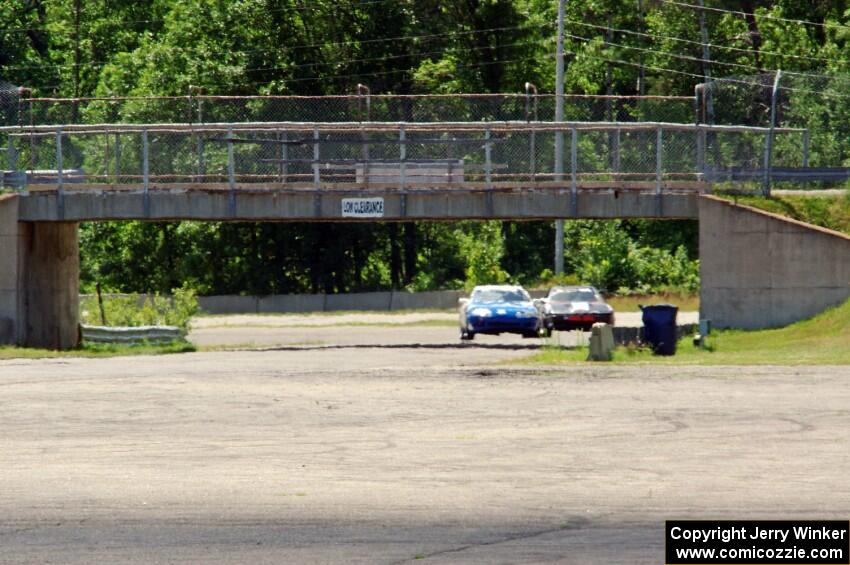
(641, 79)
(77, 9)
(706, 66)
(768, 144)
(559, 135)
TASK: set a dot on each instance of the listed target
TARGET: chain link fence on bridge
(195, 109)
(819, 104)
(201, 156)
(625, 154)
(322, 155)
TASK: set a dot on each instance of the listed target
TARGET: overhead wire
(93, 64)
(312, 8)
(380, 73)
(384, 58)
(710, 45)
(713, 61)
(755, 15)
(370, 59)
(665, 53)
(580, 38)
(375, 73)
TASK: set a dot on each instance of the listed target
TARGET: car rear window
(580, 295)
(499, 296)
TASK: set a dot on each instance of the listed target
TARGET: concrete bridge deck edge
(319, 205)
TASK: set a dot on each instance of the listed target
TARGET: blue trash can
(659, 328)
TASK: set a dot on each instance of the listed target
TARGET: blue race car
(499, 309)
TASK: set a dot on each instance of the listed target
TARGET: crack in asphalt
(574, 525)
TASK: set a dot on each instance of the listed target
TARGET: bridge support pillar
(12, 240)
(39, 281)
(52, 292)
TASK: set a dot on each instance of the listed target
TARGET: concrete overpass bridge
(59, 175)
(355, 171)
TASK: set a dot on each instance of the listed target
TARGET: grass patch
(97, 350)
(686, 302)
(822, 340)
(332, 313)
(830, 213)
(553, 356)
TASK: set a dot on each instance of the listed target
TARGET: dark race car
(575, 308)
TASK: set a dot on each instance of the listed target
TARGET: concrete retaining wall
(294, 303)
(760, 270)
(376, 301)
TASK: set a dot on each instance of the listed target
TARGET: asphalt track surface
(322, 454)
(435, 330)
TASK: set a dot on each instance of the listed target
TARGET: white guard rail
(131, 335)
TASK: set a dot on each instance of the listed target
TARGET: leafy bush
(483, 248)
(603, 254)
(659, 269)
(549, 279)
(143, 310)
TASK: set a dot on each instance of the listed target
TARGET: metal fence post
(283, 170)
(659, 164)
(806, 140)
(22, 92)
(488, 161)
(365, 94)
(202, 167)
(231, 161)
(529, 113)
(145, 174)
(117, 157)
(574, 171)
(616, 150)
(317, 181)
(231, 174)
(60, 189)
(659, 161)
(12, 159)
(199, 142)
(402, 152)
(699, 100)
(700, 135)
(768, 145)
